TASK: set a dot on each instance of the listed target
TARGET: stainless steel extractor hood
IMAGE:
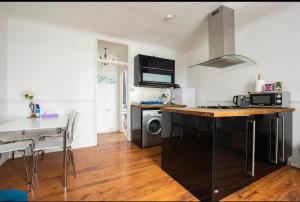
(222, 40)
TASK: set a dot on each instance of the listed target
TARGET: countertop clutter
(226, 112)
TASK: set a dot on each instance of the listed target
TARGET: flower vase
(31, 106)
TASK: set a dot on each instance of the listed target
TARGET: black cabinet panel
(214, 157)
(187, 154)
(265, 145)
(230, 156)
(136, 125)
(153, 71)
(155, 62)
(285, 132)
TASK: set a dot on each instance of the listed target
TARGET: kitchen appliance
(259, 84)
(241, 100)
(184, 96)
(270, 99)
(151, 129)
(152, 71)
(222, 40)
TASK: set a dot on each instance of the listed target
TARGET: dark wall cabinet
(214, 157)
(152, 71)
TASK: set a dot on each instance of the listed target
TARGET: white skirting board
(294, 160)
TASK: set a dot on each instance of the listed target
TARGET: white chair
(16, 137)
(56, 143)
(20, 146)
(50, 134)
(10, 137)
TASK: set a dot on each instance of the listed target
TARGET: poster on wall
(104, 79)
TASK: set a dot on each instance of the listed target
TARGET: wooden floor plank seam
(116, 169)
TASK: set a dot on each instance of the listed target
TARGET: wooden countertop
(226, 112)
(158, 106)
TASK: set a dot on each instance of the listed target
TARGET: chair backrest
(71, 125)
(70, 119)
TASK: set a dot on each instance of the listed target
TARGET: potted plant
(28, 95)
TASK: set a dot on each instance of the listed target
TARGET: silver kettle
(241, 100)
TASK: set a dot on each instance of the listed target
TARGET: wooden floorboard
(119, 170)
(281, 185)
(113, 170)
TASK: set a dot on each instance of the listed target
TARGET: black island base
(214, 157)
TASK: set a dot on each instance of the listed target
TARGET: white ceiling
(139, 21)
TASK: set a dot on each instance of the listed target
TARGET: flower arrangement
(163, 98)
(28, 95)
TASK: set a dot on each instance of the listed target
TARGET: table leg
(64, 161)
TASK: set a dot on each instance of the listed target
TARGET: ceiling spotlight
(169, 17)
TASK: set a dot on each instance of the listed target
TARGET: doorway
(112, 91)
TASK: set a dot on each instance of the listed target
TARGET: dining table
(26, 124)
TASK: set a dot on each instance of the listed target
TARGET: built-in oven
(269, 99)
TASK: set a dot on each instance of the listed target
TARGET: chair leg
(43, 154)
(33, 169)
(26, 169)
(12, 155)
(73, 161)
(69, 154)
(36, 162)
(31, 149)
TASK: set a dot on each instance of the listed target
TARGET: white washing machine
(152, 123)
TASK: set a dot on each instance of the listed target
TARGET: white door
(107, 98)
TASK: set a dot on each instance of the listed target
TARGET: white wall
(3, 30)
(3, 40)
(58, 65)
(271, 38)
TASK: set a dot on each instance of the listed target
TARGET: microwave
(269, 99)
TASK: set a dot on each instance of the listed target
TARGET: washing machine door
(153, 126)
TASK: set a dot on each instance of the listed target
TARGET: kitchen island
(215, 152)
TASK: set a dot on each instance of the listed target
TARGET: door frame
(129, 70)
